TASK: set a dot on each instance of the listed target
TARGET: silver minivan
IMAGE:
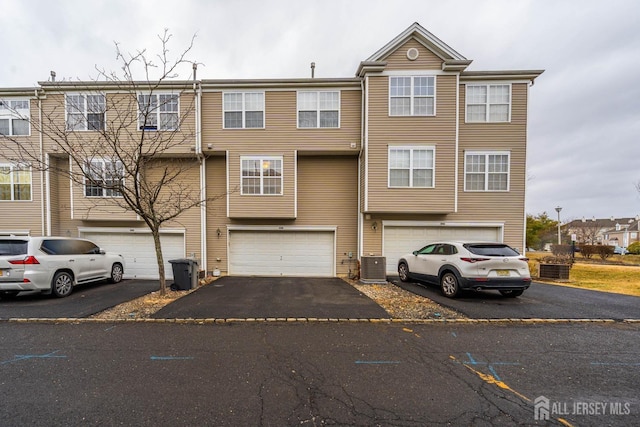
(53, 265)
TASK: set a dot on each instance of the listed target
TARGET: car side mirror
(102, 252)
(415, 253)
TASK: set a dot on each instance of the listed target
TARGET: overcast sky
(584, 127)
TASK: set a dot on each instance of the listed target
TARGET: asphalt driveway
(279, 297)
(540, 301)
(84, 301)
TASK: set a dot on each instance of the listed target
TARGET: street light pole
(558, 209)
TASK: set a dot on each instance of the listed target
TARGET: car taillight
(474, 260)
(27, 261)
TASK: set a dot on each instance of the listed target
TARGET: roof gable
(451, 60)
(428, 40)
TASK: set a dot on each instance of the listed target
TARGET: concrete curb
(209, 321)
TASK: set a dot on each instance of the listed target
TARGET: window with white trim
(261, 175)
(85, 112)
(486, 171)
(103, 178)
(412, 96)
(412, 167)
(15, 182)
(318, 109)
(158, 111)
(14, 117)
(488, 103)
(243, 110)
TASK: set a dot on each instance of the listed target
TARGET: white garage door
(281, 253)
(139, 251)
(400, 240)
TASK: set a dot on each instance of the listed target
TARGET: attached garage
(282, 252)
(138, 249)
(399, 239)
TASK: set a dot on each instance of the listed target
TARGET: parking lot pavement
(540, 301)
(84, 301)
(268, 297)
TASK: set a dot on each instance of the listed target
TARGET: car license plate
(503, 273)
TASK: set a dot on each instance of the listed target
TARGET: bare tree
(140, 154)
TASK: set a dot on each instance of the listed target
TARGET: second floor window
(411, 167)
(85, 112)
(412, 96)
(488, 103)
(486, 171)
(261, 175)
(243, 110)
(15, 183)
(318, 109)
(103, 178)
(158, 111)
(14, 117)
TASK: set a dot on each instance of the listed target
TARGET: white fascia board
(130, 230)
(282, 228)
(401, 223)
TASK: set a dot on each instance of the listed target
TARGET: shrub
(588, 251)
(605, 251)
(634, 248)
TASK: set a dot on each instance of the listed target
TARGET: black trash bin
(182, 274)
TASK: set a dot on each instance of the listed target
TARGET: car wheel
(512, 294)
(9, 294)
(403, 272)
(449, 285)
(62, 284)
(116, 273)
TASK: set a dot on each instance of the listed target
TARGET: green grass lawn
(623, 277)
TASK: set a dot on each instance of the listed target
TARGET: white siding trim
(456, 166)
(281, 228)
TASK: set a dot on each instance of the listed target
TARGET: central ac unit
(373, 269)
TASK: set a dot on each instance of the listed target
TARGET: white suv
(53, 265)
(456, 266)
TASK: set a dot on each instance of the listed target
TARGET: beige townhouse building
(309, 175)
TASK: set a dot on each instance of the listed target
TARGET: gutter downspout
(457, 161)
(362, 136)
(43, 161)
(203, 173)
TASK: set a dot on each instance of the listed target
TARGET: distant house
(608, 231)
(624, 233)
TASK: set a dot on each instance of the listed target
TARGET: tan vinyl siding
(281, 132)
(484, 137)
(216, 185)
(263, 206)
(328, 196)
(23, 215)
(438, 131)
(121, 120)
(427, 60)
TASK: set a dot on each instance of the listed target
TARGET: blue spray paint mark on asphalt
(471, 359)
(377, 362)
(494, 373)
(20, 357)
(108, 329)
(454, 334)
